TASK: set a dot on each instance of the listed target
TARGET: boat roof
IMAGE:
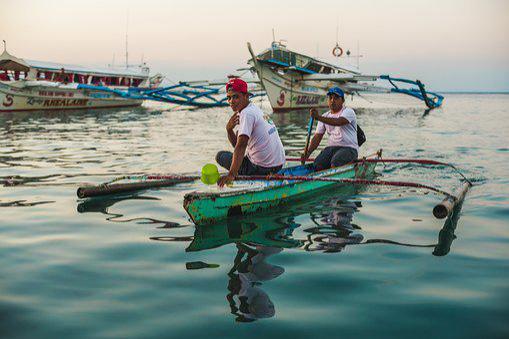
(8, 61)
(141, 72)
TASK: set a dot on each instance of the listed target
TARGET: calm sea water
(367, 262)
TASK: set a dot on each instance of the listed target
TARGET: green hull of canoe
(207, 208)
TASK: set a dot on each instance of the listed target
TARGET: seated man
(258, 149)
(340, 123)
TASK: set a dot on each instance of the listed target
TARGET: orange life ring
(337, 51)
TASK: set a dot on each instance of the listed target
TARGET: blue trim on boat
(431, 99)
(183, 93)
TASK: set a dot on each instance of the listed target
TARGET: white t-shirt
(264, 147)
(345, 135)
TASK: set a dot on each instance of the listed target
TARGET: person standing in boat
(258, 148)
(340, 123)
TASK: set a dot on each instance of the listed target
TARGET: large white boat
(27, 85)
(295, 81)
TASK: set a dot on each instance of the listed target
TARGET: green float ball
(209, 174)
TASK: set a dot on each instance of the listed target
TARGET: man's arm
(238, 156)
(232, 136)
(340, 121)
(315, 142)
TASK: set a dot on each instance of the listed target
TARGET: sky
(450, 45)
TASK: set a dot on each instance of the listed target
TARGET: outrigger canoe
(250, 196)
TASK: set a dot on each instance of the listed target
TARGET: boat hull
(42, 97)
(286, 94)
(207, 208)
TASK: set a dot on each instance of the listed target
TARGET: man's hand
(313, 113)
(225, 179)
(234, 121)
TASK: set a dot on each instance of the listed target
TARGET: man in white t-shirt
(340, 123)
(258, 149)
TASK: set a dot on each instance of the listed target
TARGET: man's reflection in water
(249, 269)
(334, 229)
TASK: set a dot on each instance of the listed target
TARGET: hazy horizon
(450, 45)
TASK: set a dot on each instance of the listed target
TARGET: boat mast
(126, 45)
(273, 43)
(337, 34)
(358, 54)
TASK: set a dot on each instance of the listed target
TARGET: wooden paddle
(310, 128)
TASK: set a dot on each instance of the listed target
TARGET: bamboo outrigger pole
(447, 205)
(107, 189)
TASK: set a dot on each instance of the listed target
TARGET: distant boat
(296, 81)
(27, 85)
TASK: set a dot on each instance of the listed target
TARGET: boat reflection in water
(258, 239)
(102, 205)
(334, 229)
(250, 269)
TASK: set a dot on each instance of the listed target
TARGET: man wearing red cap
(258, 149)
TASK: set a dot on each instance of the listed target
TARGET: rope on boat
(418, 161)
(276, 177)
(176, 177)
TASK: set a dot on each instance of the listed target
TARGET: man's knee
(224, 158)
(320, 164)
(343, 157)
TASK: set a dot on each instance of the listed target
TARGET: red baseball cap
(237, 85)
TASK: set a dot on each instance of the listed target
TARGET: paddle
(310, 127)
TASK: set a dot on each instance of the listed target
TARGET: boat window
(267, 55)
(82, 79)
(327, 70)
(301, 61)
(137, 82)
(4, 76)
(285, 57)
(19, 75)
(314, 67)
(277, 55)
(293, 59)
